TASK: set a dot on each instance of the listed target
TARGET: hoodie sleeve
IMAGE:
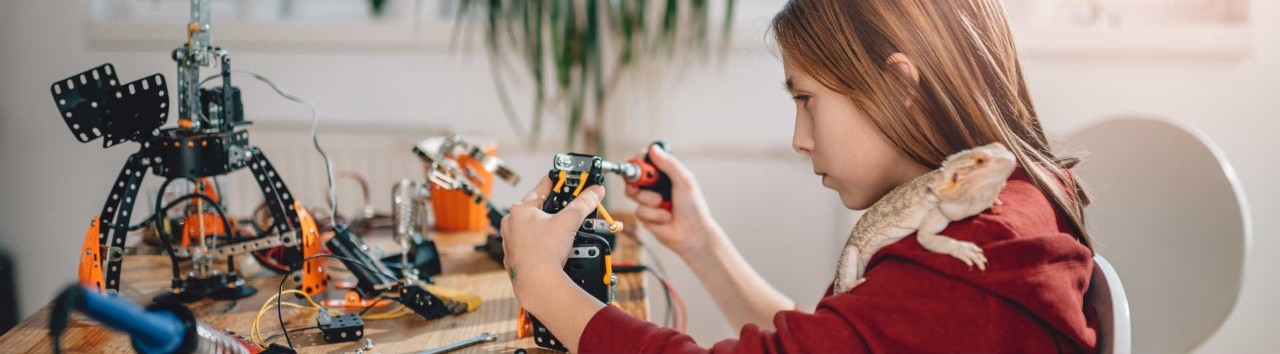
(902, 307)
(613, 331)
(905, 306)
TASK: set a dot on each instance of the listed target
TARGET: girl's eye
(801, 98)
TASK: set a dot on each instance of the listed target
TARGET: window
(1132, 28)
(276, 24)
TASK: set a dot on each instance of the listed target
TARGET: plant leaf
(575, 75)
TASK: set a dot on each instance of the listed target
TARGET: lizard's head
(969, 181)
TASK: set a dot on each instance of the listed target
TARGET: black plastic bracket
(423, 302)
(182, 155)
(340, 328)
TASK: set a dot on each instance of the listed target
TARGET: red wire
(682, 315)
(679, 311)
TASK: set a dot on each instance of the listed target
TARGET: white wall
(51, 185)
(1235, 103)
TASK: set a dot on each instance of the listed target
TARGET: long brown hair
(970, 90)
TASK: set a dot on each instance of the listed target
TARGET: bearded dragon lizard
(967, 184)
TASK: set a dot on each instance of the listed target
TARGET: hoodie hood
(1034, 259)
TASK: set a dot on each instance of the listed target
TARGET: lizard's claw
(997, 207)
(970, 254)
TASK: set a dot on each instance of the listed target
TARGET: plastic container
(455, 211)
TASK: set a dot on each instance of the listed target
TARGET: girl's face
(847, 151)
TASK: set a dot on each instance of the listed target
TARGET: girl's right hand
(688, 226)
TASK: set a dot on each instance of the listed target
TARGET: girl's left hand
(536, 242)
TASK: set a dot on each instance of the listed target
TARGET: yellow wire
(398, 312)
(582, 182)
(255, 333)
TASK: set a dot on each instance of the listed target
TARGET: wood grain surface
(146, 276)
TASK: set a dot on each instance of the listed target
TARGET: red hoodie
(1030, 298)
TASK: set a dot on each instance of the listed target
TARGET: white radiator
(382, 157)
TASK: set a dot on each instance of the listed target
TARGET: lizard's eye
(981, 161)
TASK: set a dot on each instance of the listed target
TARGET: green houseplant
(576, 51)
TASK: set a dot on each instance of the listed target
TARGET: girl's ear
(904, 64)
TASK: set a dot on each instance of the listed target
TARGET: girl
(884, 91)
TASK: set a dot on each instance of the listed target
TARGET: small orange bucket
(454, 210)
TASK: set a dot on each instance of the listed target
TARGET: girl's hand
(536, 242)
(688, 226)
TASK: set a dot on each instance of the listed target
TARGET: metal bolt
(563, 162)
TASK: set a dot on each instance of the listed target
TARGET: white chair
(1170, 215)
(1106, 294)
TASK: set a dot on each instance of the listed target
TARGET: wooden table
(146, 276)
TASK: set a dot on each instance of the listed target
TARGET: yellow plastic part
(582, 182)
(564, 175)
(455, 295)
(608, 270)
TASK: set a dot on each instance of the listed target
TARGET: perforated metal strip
(116, 213)
(276, 194)
(224, 251)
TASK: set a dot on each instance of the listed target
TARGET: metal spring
(212, 341)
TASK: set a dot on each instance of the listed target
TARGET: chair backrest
(1106, 295)
(1170, 215)
(8, 302)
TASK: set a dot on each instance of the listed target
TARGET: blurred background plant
(577, 51)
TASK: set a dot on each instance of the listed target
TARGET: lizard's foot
(969, 253)
(965, 251)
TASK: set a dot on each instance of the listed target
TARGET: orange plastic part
(455, 211)
(648, 173)
(91, 258)
(315, 279)
(212, 226)
(524, 327)
(352, 300)
(211, 223)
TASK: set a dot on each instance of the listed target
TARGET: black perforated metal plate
(135, 109)
(80, 100)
